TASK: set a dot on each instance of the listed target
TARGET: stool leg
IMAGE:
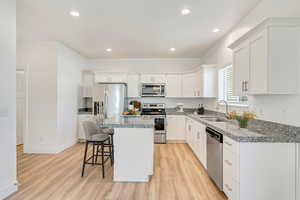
(84, 158)
(93, 159)
(102, 156)
(97, 153)
(112, 150)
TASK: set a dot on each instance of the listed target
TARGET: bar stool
(98, 139)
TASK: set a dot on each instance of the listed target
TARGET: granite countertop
(267, 134)
(127, 122)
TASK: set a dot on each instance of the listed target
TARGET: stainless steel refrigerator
(110, 99)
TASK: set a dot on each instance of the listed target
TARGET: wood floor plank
(178, 176)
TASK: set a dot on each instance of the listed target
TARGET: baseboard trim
(176, 142)
(8, 190)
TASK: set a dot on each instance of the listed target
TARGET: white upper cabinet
(110, 77)
(202, 83)
(189, 85)
(88, 81)
(133, 81)
(174, 85)
(241, 69)
(153, 78)
(271, 52)
(208, 82)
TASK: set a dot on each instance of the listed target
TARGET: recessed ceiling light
(185, 11)
(74, 13)
(172, 49)
(108, 50)
(216, 30)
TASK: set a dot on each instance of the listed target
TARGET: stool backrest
(90, 128)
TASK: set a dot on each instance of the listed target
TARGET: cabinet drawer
(230, 188)
(230, 144)
(230, 164)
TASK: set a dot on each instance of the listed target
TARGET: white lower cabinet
(260, 171)
(196, 139)
(176, 127)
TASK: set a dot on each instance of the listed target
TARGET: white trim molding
(8, 190)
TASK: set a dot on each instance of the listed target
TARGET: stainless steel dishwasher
(215, 156)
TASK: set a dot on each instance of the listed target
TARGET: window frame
(223, 94)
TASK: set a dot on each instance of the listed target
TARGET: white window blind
(226, 86)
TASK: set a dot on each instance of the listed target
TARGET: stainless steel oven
(153, 90)
(158, 114)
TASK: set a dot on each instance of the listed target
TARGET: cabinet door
(241, 65)
(189, 132)
(102, 78)
(153, 78)
(133, 81)
(199, 83)
(203, 156)
(171, 128)
(259, 64)
(188, 85)
(88, 79)
(209, 84)
(197, 141)
(110, 78)
(174, 85)
(175, 128)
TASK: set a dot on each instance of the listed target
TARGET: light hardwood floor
(178, 176)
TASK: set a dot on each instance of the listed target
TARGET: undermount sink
(215, 119)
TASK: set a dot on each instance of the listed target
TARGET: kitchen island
(133, 148)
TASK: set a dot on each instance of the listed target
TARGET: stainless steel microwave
(153, 90)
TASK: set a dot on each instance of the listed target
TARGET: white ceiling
(132, 28)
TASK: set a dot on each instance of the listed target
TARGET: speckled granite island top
(244, 135)
(127, 122)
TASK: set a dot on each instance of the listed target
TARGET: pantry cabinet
(266, 59)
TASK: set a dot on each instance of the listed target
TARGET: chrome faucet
(226, 104)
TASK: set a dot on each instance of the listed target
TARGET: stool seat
(97, 138)
(108, 131)
(100, 138)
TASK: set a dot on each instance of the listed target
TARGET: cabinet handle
(229, 144)
(246, 86)
(227, 186)
(229, 163)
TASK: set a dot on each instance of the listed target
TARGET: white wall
(53, 76)
(144, 65)
(41, 70)
(283, 109)
(70, 65)
(7, 97)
